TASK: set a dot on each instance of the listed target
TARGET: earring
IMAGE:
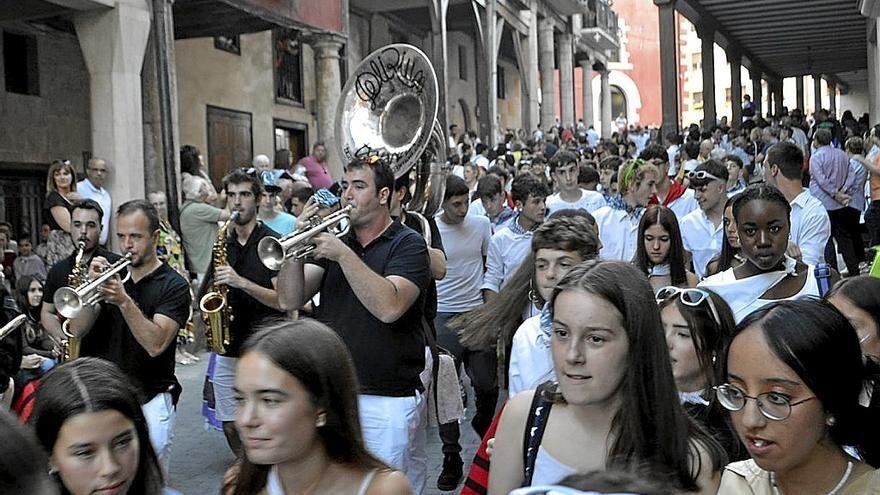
(322, 420)
(53, 470)
(830, 421)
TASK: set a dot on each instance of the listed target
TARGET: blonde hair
(632, 173)
(50, 176)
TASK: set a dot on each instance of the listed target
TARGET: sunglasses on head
(701, 175)
(691, 297)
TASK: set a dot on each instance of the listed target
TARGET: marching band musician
(143, 315)
(373, 283)
(85, 228)
(251, 291)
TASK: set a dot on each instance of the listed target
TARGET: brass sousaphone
(389, 108)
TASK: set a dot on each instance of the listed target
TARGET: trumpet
(69, 301)
(273, 251)
(12, 325)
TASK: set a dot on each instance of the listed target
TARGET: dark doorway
(22, 194)
(291, 136)
(618, 103)
(230, 142)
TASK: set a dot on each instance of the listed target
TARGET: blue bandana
(544, 325)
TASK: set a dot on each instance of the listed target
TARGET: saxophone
(78, 275)
(216, 311)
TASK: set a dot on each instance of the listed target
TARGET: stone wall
(55, 124)
(245, 83)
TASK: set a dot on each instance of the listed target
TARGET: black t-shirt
(247, 312)
(388, 357)
(54, 199)
(413, 222)
(59, 276)
(164, 292)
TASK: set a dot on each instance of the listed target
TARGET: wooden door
(230, 142)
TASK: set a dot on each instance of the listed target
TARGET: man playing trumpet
(373, 284)
(85, 230)
(140, 318)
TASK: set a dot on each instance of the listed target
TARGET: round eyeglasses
(773, 405)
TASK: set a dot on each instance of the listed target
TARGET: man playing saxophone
(142, 315)
(250, 290)
(85, 222)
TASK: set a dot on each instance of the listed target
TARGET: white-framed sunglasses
(702, 175)
(689, 296)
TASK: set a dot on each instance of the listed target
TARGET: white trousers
(160, 415)
(395, 432)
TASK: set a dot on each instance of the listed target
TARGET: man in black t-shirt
(251, 293)
(143, 315)
(85, 227)
(373, 285)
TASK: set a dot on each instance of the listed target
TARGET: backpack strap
(822, 272)
(539, 411)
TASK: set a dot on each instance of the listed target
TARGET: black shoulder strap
(822, 272)
(539, 411)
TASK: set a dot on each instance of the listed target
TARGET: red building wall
(643, 45)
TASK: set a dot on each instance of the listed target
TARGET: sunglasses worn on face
(689, 297)
(772, 405)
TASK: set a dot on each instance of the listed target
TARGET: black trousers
(845, 230)
(482, 368)
(872, 222)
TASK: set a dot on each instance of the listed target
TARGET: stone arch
(628, 89)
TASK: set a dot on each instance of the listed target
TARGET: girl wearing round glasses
(698, 326)
(615, 389)
(768, 274)
(794, 375)
(659, 252)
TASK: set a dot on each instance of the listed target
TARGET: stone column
(873, 67)
(832, 98)
(545, 62)
(799, 91)
(532, 70)
(778, 104)
(566, 80)
(113, 43)
(707, 55)
(757, 92)
(440, 58)
(817, 92)
(668, 66)
(587, 90)
(736, 95)
(607, 118)
(328, 85)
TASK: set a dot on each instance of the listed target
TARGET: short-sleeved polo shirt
(388, 357)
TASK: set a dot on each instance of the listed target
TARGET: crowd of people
(663, 314)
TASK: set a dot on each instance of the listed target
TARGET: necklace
(837, 487)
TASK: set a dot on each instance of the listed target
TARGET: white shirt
(531, 363)
(684, 204)
(87, 190)
(701, 238)
(465, 245)
(618, 231)
(672, 153)
(481, 161)
(810, 227)
(507, 249)
(589, 201)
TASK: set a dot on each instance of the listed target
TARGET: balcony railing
(600, 15)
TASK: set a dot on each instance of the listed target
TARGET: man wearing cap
(281, 222)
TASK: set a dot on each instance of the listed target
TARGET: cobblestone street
(200, 457)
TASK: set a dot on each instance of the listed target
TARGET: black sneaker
(452, 473)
